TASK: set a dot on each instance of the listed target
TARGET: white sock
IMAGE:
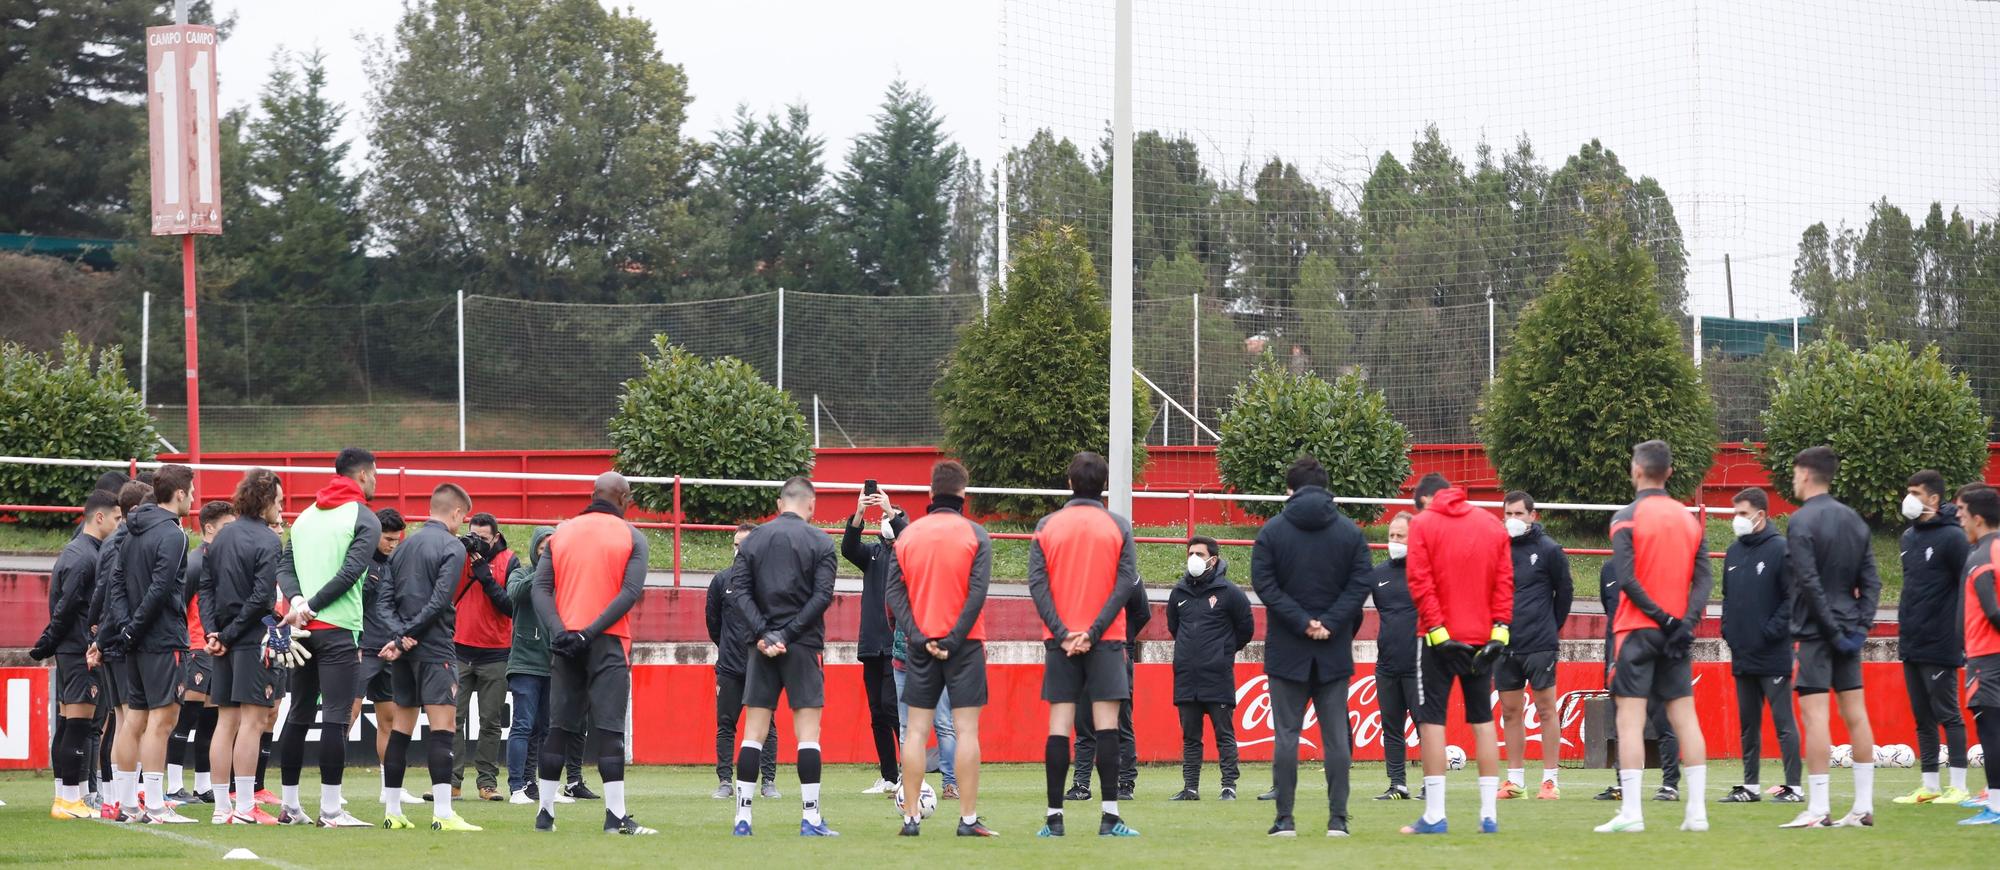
(1695, 780)
(546, 791)
(1628, 783)
(59, 788)
(745, 792)
(441, 800)
(1433, 799)
(1489, 791)
(176, 780)
(1993, 799)
(118, 793)
(290, 795)
(155, 798)
(614, 798)
(1053, 811)
(1517, 775)
(1958, 778)
(246, 794)
(1816, 793)
(809, 802)
(220, 790)
(329, 800)
(392, 801)
(967, 820)
(201, 782)
(1931, 780)
(1864, 786)
(1549, 775)
(68, 792)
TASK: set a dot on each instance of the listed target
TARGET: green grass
(694, 830)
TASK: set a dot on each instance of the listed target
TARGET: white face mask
(888, 528)
(1516, 527)
(1197, 565)
(1743, 525)
(1913, 507)
(1398, 549)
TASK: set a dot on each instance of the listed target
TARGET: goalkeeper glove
(1456, 655)
(1496, 644)
(569, 644)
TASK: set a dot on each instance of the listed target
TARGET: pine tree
(895, 197)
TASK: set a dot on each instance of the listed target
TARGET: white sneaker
(1856, 819)
(1695, 826)
(1806, 819)
(563, 798)
(520, 796)
(881, 786)
(1619, 824)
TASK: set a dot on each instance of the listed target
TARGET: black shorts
(1643, 670)
(415, 683)
(333, 675)
(75, 684)
(797, 673)
(200, 675)
(375, 681)
(110, 682)
(1820, 668)
(1100, 675)
(926, 680)
(1982, 683)
(1516, 671)
(241, 678)
(1434, 691)
(599, 680)
(152, 680)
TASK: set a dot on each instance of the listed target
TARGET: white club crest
(1760, 569)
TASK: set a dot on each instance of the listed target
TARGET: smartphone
(868, 487)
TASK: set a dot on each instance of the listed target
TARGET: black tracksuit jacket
(783, 581)
(1209, 618)
(1757, 605)
(1831, 559)
(1543, 592)
(1929, 616)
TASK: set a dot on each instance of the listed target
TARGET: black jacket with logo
(1929, 617)
(1396, 635)
(1209, 618)
(148, 571)
(783, 581)
(1543, 592)
(1757, 605)
(1310, 562)
(71, 584)
(726, 629)
(238, 584)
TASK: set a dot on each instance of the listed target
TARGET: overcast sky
(1758, 119)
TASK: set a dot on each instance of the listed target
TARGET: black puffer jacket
(1396, 636)
(1543, 592)
(1209, 618)
(1930, 615)
(1310, 562)
(1757, 605)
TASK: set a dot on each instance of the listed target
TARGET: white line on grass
(197, 842)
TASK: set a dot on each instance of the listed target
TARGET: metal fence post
(1795, 335)
(678, 520)
(145, 341)
(816, 444)
(1195, 403)
(781, 338)
(1697, 339)
(461, 371)
(1492, 340)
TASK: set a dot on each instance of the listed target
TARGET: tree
(1642, 204)
(305, 221)
(1048, 179)
(970, 248)
(1028, 385)
(765, 191)
(1277, 416)
(1595, 368)
(896, 197)
(530, 148)
(71, 404)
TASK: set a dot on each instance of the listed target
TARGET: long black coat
(1209, 618)
(1310, 562)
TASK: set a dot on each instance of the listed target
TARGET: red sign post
(186, 148)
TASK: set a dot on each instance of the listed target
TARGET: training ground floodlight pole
(1121, 267)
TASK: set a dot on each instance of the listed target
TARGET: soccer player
(1543, 591)
(324, 576)
(1082, 566)
(66, 638)
(1757, 625)
(732, 638)
(1395, 655)
(1656, 713)
(1138, 612)
(146, 592)
(1661, 568)
(1310, 567)
(873, 645)
(936, 586)
(584, 589)
(237, 587)
(108, 662)
(481, 635)
(423, 574)
(1461, 577)
(378, 619)
(782, 587)
(1980, 509)
(198, 713)
(1209, 619)
(1831, 563)
(1934, 549)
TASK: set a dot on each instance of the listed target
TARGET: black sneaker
(1228, 793)
(911, 828)
(545, 821)
(625, 826)
(1283, 827)
(1667, 793)
(1336, 827)
(1109, 825)
(581, 792)
(1078, 792)
(1052, 827)
(976, 829)
(1741, 794)
(1788, 795)
(1269, 795)
(204, 797)
(1186, 794)
(182, 796)
(1395, 793)
(534, 792)
(1610, 793)
(1124, 794)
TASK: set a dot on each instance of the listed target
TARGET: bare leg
(967, 760)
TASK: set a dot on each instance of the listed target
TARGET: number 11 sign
(186, 147)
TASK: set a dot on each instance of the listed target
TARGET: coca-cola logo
(1255, 722)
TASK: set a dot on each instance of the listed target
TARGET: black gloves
(1851, 641)
(570, 644)
(115, 642)
(43, 648)
(1679, 637)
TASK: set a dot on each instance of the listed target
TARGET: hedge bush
(1276, 415)
(71, 404)
(1888, 412)
(697, 418)
(1027, 386)
(1596, 367)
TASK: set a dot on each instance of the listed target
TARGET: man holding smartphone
(876, 641)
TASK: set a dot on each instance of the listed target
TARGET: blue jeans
(947, 738)
(530, 727)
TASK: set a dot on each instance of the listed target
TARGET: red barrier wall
(24, 718)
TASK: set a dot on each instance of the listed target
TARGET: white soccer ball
(926, 801)
(1976, 756)
(1454, 758)
(1901, 755)
(1843, 755)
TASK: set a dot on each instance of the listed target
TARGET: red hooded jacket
(1460, 569)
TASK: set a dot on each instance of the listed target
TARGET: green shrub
(1596, 367)
(1027, 386)
(65, 405)
(1276, 415)
(1888, 412)
(694, 418)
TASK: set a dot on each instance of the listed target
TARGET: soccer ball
(1454, 758)
(1843, 755)
(1901, 755)
(926, 801)
(1976, 756)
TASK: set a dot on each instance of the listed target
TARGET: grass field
(695, 831)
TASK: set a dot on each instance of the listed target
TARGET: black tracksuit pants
(1755, 692)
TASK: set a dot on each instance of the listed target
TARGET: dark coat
(148, 570)
(1930, 615)
(1396, 636)
(1831, 561)
(1757, 605)
(1543, 591)
(1310, 562)
(783, 581)
(1209, 618)
(872, 558)
(423, 574)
